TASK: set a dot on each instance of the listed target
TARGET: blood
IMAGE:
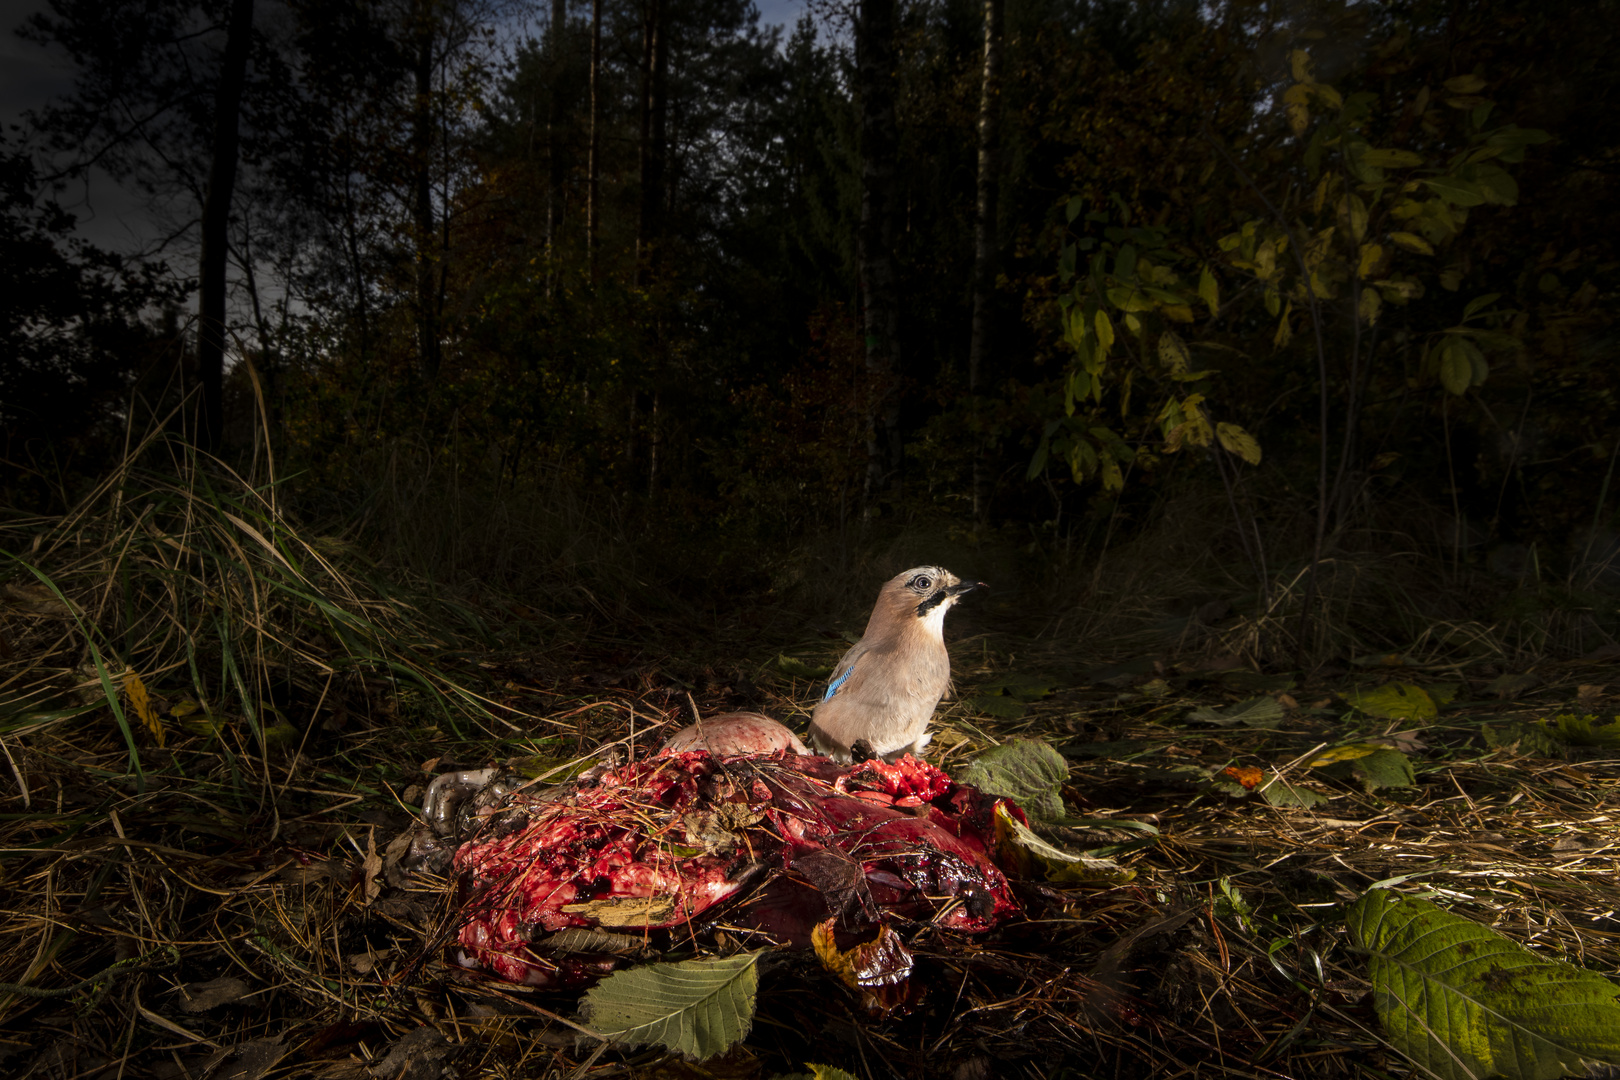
(691, 839)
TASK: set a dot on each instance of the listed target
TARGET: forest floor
(214, 890)
(261, 892)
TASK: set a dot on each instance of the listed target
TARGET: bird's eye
(922, 582)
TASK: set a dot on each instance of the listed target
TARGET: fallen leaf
(201, 996)
(1247, 775)
(625, 911)
(371, 867)
(880, 969)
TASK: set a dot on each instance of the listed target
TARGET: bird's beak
(965, 587)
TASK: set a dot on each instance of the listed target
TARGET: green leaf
(1279, 793)
(699, 1008)
(1465, 84)
(1395, 701)
(1105, 330)
(1385, 769)
(1496, 184)
(1130, 299)
(1260, 712)
(1478, 304)
(1456, 191)
(1412, 242)
(1028, 771)
(1587, 730)
(1456, 367)
(1392, 159)
(1462, 1001)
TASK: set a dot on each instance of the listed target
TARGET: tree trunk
(554, 118)
(985, 244)
(876, 79)
(427, 296)
(654, 84)
(216, 215)
(593, 194)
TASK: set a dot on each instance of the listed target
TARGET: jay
(887, 685)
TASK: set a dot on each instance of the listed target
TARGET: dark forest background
(1290, 322)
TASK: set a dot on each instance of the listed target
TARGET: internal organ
(774, 844)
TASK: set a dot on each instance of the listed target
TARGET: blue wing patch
(832, 687)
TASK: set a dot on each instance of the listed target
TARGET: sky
(31, 75)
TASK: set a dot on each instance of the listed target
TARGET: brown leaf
(880, 969)
(202, 996)
(371, 867)
(254, 1059)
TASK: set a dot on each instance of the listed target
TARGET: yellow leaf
(141, 702)
(1343, 753)
(883, 961)
(1032, 857)
(1300, 61)
(1209, 291)
(1198, 432)
(1105, 330)
(1178, 313)
(1329, 96)
(1173, 353)
(1465, 84)
(1411, 242)
(1299, 117)
(1371, 255)
(1239, 442)
(1285, 332)
(1395, 701)
(1112, 478)
(1371, 304)
(1354, 212)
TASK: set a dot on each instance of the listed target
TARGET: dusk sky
(31, 75)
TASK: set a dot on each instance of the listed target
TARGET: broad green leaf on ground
(1279, 792)
(1022, 687)
(1019, 847)
(1394, 701)
(1260, 712)
(699, 1008)
(1381, 768)
(1462, 1001)
(1587, 730)
(1537, 739)
(1028, 771)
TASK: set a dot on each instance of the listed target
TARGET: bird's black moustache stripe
(939, 597)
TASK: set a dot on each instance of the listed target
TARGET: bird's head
(923, 592)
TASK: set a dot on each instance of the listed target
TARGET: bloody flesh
(772, 844)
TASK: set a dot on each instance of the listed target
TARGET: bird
(887, 685)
